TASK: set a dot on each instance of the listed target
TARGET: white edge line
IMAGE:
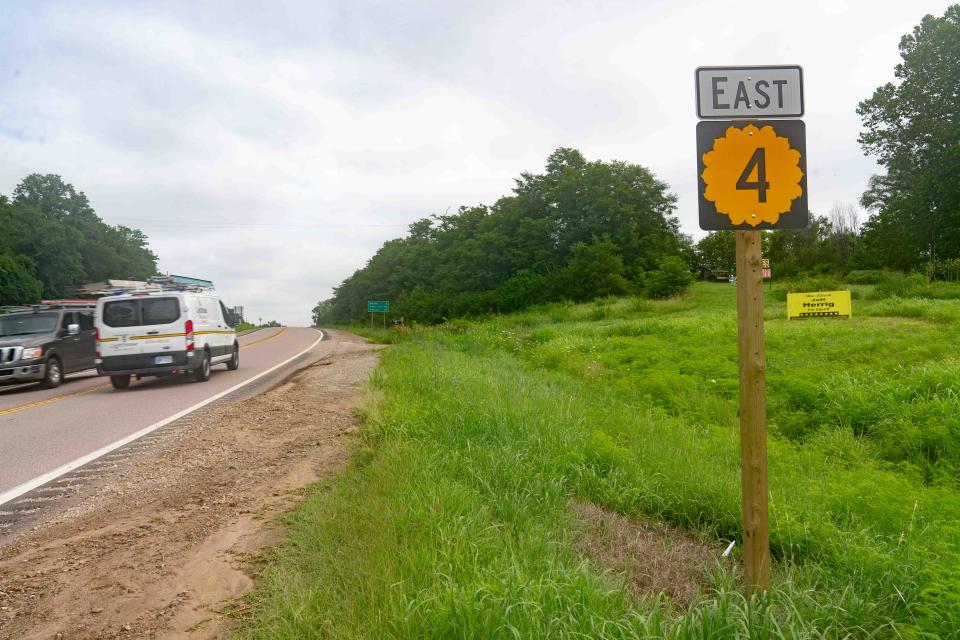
(41, 480)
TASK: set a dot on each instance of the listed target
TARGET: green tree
(521, 250)
(53, 231)
(17, 286)
(913, 128)
(322, 312)
(717, 253)
(811, 250)
(595, 270)
(41, 241)
(670, 278)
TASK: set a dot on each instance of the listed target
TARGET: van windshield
(141, 312)
(27, 324)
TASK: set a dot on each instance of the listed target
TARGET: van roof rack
(155, 284)
(49, 305)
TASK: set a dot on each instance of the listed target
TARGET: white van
(159, 333)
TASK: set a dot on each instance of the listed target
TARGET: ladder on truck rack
(156, 284)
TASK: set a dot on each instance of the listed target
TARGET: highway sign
(750, 92)
(752, 174)
(821, 304)
(378, 306)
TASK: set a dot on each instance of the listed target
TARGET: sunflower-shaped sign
(752, 176)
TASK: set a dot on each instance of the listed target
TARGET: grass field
(455, 519)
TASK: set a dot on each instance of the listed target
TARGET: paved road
(43, 429)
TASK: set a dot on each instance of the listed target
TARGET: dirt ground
(164, 546)
(650, 556)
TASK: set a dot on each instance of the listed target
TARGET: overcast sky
(272, 147)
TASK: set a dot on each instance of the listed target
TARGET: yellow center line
(262, 340)
(40, 403)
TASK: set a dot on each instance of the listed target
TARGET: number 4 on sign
(757, 161)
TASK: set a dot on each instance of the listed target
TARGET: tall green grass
(453, 520)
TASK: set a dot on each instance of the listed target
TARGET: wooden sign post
(753, 412)
(752, 176)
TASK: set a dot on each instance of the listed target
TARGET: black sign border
(696, 82)
(793, 130)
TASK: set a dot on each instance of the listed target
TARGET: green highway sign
(378, 306)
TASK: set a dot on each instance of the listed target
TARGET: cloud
(272, 147)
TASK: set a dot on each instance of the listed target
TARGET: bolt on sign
(820, 304)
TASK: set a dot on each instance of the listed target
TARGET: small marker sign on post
(752, 175)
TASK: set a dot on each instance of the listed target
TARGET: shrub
(948, 270)
(869, 276)
(916, 286)
(669, 279)
(595, 270)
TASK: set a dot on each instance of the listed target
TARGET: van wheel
(234, 362)
(202, 372)
(120, 382)
(53, 375)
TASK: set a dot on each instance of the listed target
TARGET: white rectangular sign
(750, 92)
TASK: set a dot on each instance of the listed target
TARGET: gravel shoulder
(164, 546)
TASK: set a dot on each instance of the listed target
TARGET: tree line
(587, 229)
(580, 230)
(51, 240)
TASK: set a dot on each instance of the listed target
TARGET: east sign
(751, 165)
(750, 92)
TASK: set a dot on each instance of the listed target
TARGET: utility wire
(148, 222)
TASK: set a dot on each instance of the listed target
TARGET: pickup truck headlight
(31, 353)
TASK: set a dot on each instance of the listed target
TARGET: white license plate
(163, 360)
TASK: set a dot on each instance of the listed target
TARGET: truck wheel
(120, 382)
(202, 372)
(53, 375)
(234, 362)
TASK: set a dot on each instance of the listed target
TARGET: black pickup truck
(45, 342)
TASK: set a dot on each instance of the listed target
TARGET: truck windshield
(26, 324)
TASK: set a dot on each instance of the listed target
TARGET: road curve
(43, 430)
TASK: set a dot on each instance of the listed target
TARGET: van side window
(86, 322)
(160, 310)
(67, 320)
(121, 313)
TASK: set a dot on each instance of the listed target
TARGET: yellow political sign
(819, 304)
